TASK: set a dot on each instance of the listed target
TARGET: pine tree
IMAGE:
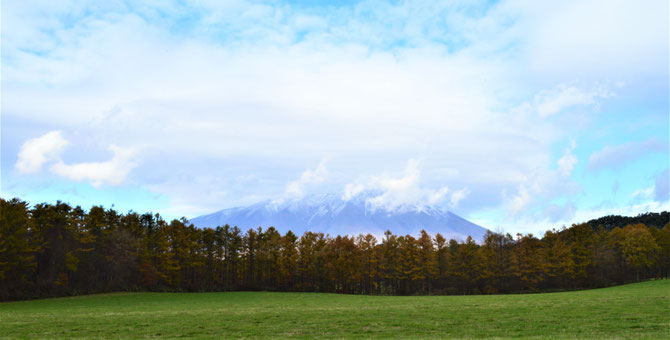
(18, 247)
(57, 260)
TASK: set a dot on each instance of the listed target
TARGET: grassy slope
(639, 310)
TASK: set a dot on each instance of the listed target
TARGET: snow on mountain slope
(329, 213)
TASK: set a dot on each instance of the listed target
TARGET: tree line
(650, 219)
(56, 249)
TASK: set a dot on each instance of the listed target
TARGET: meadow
(640, 310)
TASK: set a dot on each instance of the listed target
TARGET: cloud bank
(37, 151)
(230, 102)
(611, 157)
(47, 148)
(404, 193)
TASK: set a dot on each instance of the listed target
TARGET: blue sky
(517, 115)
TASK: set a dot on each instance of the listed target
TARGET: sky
(520, 116)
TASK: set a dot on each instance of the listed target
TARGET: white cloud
(553, 212)
(458, 196)
(351, 190)
(645, 193)
(519, 201)
(614, 156)
(550, 102)
(567, 163)
(596, 38)
(540, 187)
(48, 148)
(397, 192)
(244, 87)
(112, 172)
(296, 189)
(37, 151)
(404, 193)
(538, 226)
(662, 186)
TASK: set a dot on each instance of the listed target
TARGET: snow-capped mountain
(329, 213)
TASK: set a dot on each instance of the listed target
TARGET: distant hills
(651, 219)
(330, 214)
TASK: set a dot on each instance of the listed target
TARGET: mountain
(330, 214)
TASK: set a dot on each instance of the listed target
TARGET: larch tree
(639, 248)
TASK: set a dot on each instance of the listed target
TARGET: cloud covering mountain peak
(331, 214)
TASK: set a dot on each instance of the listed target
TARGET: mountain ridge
(331, 214)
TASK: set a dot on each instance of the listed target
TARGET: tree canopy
(54, 250)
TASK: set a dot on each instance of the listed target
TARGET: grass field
(639, 310)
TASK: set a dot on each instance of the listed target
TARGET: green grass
(639, 310)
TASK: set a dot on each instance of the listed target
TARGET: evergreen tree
(18, 249)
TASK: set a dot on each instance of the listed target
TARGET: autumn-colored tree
(343, 264)
(369, 262)
(268, 258)
(122, 259)
(389, 263)
(150, 254)
(53, 250)
(495, 266)
(465, 260)
(249, 256)
(427, 261)
(208, 249)
(580, 241)
(91, 231)
(230, 244)
(410, 264)
(289, 261)
(605, 258)
(526, 262)
(18, 248)
(662, 238)
(311, 261)
(442, 257)
(639, 248)
(557, 261)
(57, 260)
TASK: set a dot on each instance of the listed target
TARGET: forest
(55, 249)
(649, 219)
